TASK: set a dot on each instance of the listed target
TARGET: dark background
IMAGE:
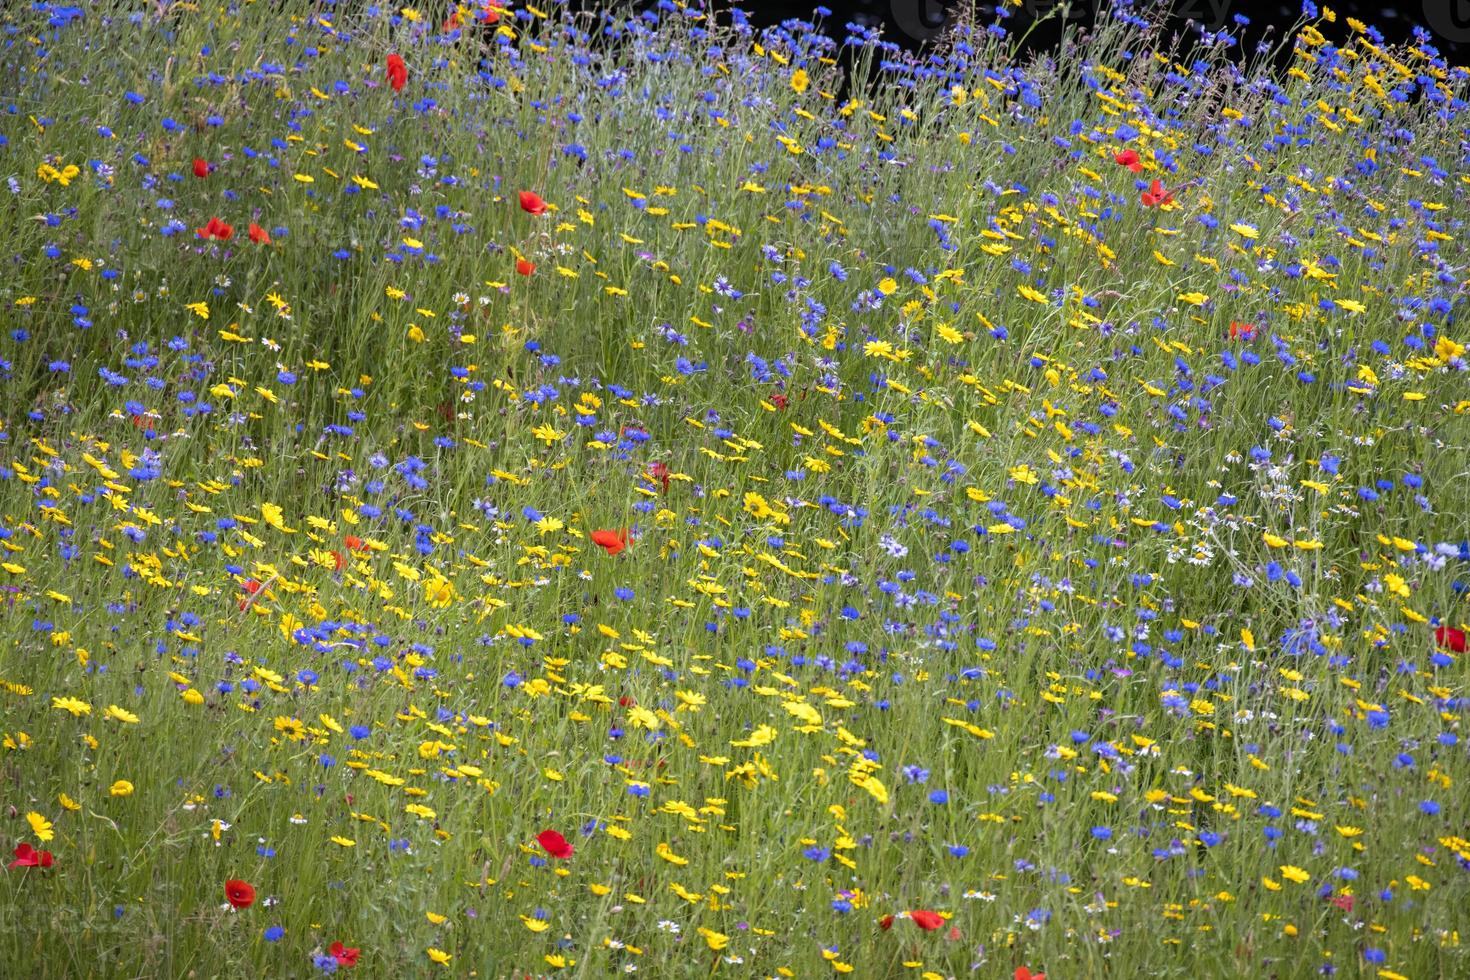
(1447, 21)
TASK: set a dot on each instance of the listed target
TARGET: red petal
(240, 894)
(554, 844)
(926, 920)
(610, 541)
(397, 72)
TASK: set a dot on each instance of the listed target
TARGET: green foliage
(878, 498)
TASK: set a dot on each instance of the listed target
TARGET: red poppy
(531, 203)
(354, 543)
(143, 422)
(251, 587)
(259, 235)
(524, 268)
(1024, 974)
(885, 923)
(926, 920)
(397, 72)
(625, 701)
(1156, 195)
(1450, 638)
(554, 844)
(611, 541)
(779, 401)
(239, 893)
(659, 473)
(1242, 331)
(490, 14)
(339, 560)
(1129, 159)
(217, 230)
(344, 955)
(27, 856)
(201, 167)
(1344, 902)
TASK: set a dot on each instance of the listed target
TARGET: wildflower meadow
(515, 490)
